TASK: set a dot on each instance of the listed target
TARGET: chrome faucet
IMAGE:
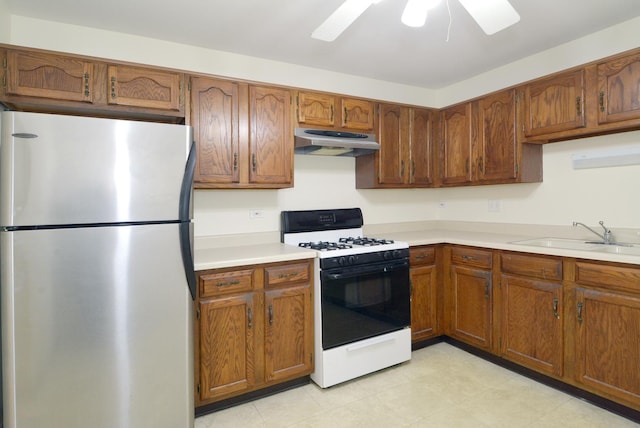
(607, 236)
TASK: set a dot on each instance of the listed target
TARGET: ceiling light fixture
(415, 13)
(491, 15)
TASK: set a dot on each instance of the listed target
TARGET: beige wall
(5, 23)
(566, 195)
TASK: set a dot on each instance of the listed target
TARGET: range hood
(334, 143)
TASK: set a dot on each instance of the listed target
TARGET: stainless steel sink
(581, 245)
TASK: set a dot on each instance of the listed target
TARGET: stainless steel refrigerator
(96, 272)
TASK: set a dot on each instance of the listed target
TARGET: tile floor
(442, 386)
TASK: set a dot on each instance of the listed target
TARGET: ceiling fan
(491, 15)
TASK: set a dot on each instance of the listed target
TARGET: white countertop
(238, 250)
(213, 258)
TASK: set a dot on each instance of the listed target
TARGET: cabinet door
(471, 300)
(270, 136)
(214, 117)
(607, 349)
(456, 144)
(315, 108)
(143, 87)
(619, 89)
(554, 104)
(421, 146)
(357, 114)
(423, 303)
(226, 345)
(497, 144)
(532, 326)
(393, 135)
(288, 333)
(55, 77)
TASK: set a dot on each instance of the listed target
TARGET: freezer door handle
(187, 185)
(185, 218)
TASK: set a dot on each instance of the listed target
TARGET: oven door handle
(365, 270)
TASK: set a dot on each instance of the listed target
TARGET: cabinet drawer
(215, 283)
(534, 266)
(471, 257)
(422, 256)
(284, 274)
(607, 276)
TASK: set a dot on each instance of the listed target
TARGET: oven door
(364, 301)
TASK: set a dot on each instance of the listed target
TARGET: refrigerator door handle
(187, 257)
(184, 213)
(185, 218)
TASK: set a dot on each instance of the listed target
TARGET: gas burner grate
(365, 242)
(325, 246)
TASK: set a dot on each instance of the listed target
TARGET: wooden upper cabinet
(393, 138)
(315, 108)
(497, 145)
(619, 89)
(214, 117)
(456, 144)
(43, 75)
(357, 114)
(554, 104)
(270, 136)
(142, 87)
(421, 150)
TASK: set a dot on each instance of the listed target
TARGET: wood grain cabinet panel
(270, 136)
(288, 333)
(357, 114)
(393, 138)
(43, 75)
(142, 87)
(497, 145)
(421, 147)
(215, 121)
(532, 323)
(607, 350)
(315, 108)
(456, 144)
(227, 346)
(619, 89)
(554, 104)
(424, 293)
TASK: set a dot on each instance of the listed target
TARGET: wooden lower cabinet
(254, 328)
(470, 298)
(532, 312)
(424, 293)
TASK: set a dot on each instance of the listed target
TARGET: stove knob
(342, 261)
(396, 254)
(352, 259)
(386, 255)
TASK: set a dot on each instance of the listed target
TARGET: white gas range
(362, 294)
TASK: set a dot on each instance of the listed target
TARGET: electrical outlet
(256, 214)
(443, 204)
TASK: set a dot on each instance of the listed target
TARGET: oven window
(358, 303)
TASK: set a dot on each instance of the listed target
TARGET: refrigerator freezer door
(60, 170)
(96, 335)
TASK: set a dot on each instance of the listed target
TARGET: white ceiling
(377, 45)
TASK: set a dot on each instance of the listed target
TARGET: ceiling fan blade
(491, 15)
(339, 20)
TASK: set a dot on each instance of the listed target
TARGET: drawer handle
(113, 87)
(250, 317)
(555, 308)
(580, 306)
(421, 256)
(228, 283)
(469, 258)
(287, 275)
(86, 85)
